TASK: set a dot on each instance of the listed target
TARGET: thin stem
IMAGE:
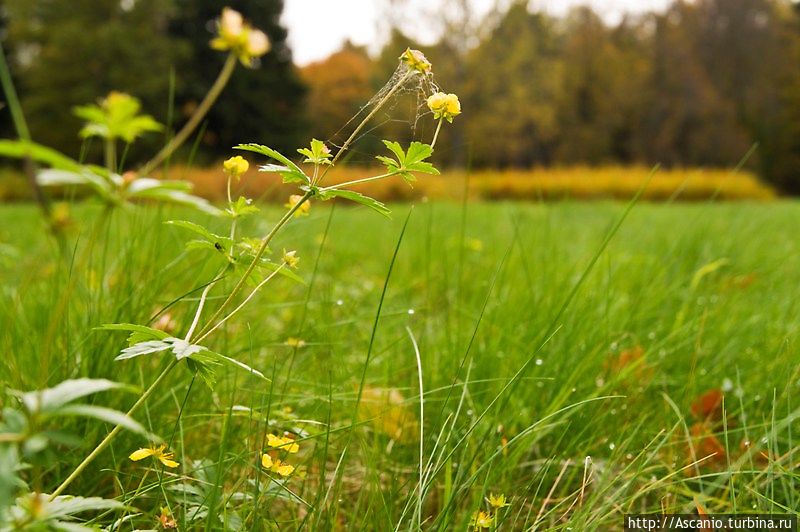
(21, 127)
(242, 304)
(372, 113)
(357, 181)
(111, 155)
(199, 311)
(436, 135)
(111, 435)
(260, 253)
(194, 121)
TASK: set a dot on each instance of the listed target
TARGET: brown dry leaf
(707, 446)
(631, 361)
(389, 414)
(708, 406)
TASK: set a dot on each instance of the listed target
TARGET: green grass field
(561, 373)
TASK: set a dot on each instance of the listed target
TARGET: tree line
(705, 83)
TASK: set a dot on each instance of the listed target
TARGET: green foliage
(318, 154)
(408, 162)
(351, 195)
(116, 117)
(289, 171)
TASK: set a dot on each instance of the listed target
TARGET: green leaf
(241, 207)
(290, 172)
(408, 162)
(233, 361)
(169, 195)
(50, 399)
(139, 333)
(67, 505)
(144, 348)
(358, 198)
(114, 417)
(318, 154)
(21, 149)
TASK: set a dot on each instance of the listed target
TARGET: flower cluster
(482, 519)
(270, 460)
(236, 166)
(240, 38)
(444, 106)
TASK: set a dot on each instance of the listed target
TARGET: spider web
(407, 106)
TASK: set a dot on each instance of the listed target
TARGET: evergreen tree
(261, 105)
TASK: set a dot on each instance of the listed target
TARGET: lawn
(583, 381)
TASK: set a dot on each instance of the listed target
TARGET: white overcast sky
(319, 27)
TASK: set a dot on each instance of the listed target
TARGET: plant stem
(372, 113)
(21, 127)
(194, 121)
(111, 155)
(357, 181)
(436, 135)
(242, 304)
(260, 253)
(111, 435)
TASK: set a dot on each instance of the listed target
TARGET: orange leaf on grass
(708, 406)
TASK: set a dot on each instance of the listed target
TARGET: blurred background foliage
(696, 85)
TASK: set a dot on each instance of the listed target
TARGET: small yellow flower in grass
(303, 210)
(444, 106)
(236, 166)
(236, 35)
(295, 342)
(481, 520)
(416, 60)
(290, 258)
(497, 501)
(159, 453)
(282, 443)
(276, 466)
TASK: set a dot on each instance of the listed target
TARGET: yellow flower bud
(416, 60)
(236, 166)
(444, 106)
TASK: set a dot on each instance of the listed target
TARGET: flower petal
(141, 454)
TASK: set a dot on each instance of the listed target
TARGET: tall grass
(604, 421)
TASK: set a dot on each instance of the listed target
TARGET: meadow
(585, 360)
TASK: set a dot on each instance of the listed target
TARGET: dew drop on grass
(599, 382)
(727, 385)
(574, 390)
(539, 361)
(652, 335)
(614, 346)
(339, 302)
(612, 446)
(540, 384)
(629, 456)
(411, 312)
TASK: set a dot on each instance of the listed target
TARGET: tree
(261, 105)
(337, 88)
(73, 53)
(510, 100)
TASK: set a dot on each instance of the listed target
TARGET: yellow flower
(303, 210)
(284, 444)
(159, 453)
(236, 166)
(276, 466)
(481, 520)
(444, 106)
(290, 258)
(295, 342)
(497, 501)
(416, 60)
(236, 35)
